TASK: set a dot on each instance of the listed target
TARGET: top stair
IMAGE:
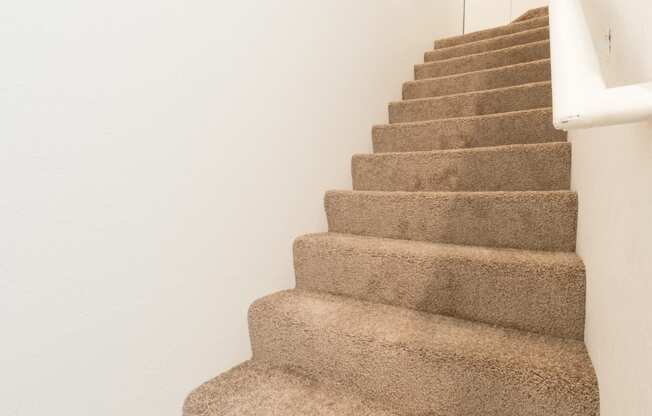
(514, 27)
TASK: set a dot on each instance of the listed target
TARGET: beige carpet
(447, 284)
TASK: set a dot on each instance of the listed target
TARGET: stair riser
(510, 56)
(478, 81)
(529, 221)
(516, 128)
(315, 342)
(492, 33)
(478, 285)
(520, 168)
(488, 45)
(473, 104)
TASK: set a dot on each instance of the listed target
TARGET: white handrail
(581, 98)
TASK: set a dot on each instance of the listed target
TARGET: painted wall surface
(485, 14)
(157, 158)
(612, 173)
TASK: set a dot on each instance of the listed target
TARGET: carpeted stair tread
(522, 167)
(492, 33)
(420, 363)
(523, 220)
(487, 79)
(518, 127)
(257, 389)
(528, 52)
(532, 14)
(486, 45)
(500, 100)
(535, 291)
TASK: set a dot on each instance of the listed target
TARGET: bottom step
(260, 390)
(423, 364)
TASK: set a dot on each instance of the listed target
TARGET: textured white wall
(485, 14)
(157, 158)
(612, 172)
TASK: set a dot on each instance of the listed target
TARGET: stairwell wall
(612, 173)
(157, 159)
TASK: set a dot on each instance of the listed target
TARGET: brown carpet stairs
(447, 283)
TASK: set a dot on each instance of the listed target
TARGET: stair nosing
(473, 194)
(522, 46)
(530, 18)
(464, 150)
(540, 28)
(496, 69)
(426, 122)
(470, 249)
(477, 92)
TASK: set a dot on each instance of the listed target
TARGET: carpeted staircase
(447, 284)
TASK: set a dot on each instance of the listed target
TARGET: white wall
(485, 14)
(612, 172)
(157, 158)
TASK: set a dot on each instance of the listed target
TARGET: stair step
(260, 389)
(519, 127)
(523, 220)
(486, 45)
(528, 52)
(535, 291)
(532, 14)
(500, 100)
(420, 363)
(518, 74)
(492, 33)
(521, 167)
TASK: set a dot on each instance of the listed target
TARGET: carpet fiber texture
(447, 283)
